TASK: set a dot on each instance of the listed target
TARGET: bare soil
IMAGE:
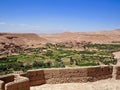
(94, 37)
(108, 84)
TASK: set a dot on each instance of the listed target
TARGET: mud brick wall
(2, 85)
(99, 73)
(69, 75)
(21, 83)
(36, 77)
(7, 78)
(54, 76)
(78, 74)
(117, 72)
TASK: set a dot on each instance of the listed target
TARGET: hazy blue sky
(52, 16)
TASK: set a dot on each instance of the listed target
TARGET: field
(59, 56)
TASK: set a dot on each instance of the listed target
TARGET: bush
(58, 63)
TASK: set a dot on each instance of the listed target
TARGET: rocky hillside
(10, 43)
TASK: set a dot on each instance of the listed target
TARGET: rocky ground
(109, 84)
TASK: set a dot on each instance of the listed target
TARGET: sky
(55, 16)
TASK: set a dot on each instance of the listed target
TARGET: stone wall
(55, 76)
(117, 72)
(69, 75)
(99, 73)
(14, 82)
(77, 74)
(20, 83)
(7, 78)
(36, 77)
(2, 84)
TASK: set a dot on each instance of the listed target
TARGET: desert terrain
(108, 84)
(10, 42)
(33, 40)
(27, 51)
(94, 37)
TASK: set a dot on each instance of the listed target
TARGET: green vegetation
(55, 56)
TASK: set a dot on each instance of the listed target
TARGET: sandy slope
(108, 84)
(21, 39)
(94, 37)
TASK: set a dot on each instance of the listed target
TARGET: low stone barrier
(117, 72)
(7, 78)
(57, 75)
(69, 75)
(2, 84)
(20, 83)
(14, 82)
(36, 77)
(99, 73)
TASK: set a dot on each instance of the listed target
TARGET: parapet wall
(117, 72)
(55, 76)
(7, 78)
(20, 83)
(69, 75)
(14, 82)
(2, 85)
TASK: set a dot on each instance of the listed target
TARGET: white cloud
(28, 25)
(2, 23)
(23, 25)
(35, 26)
(12, 24)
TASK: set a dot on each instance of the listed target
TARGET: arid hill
(94, 37)
(10, 43)
(28, 39)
